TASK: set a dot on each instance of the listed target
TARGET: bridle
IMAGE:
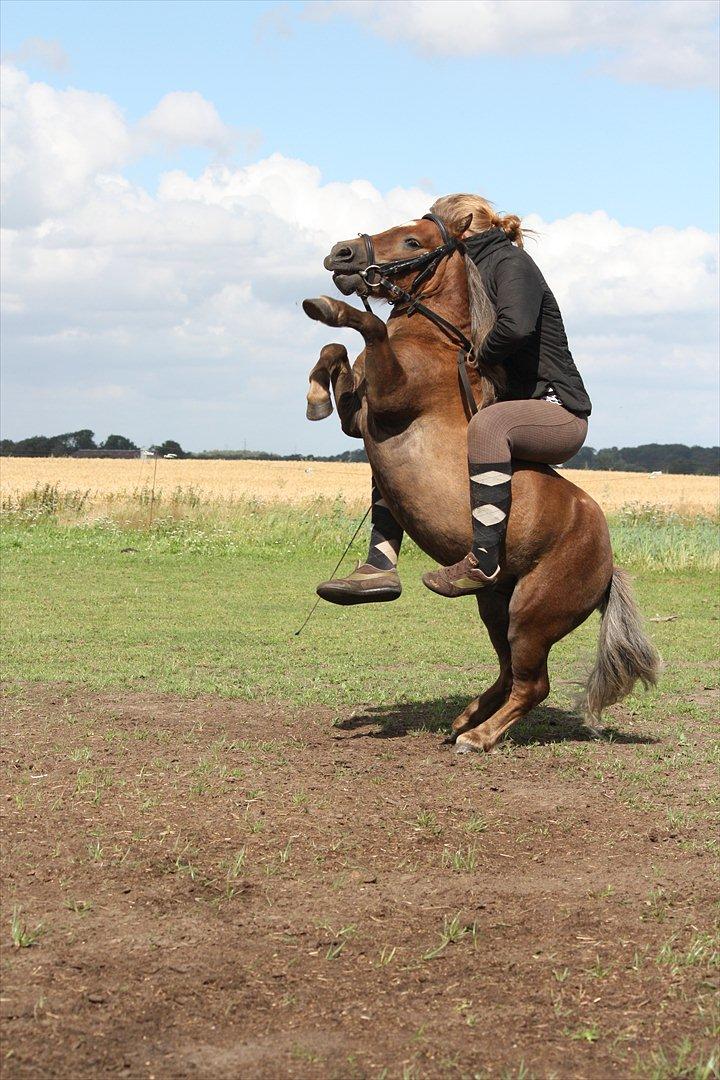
(376, 273)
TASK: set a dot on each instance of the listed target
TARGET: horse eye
(412, 242)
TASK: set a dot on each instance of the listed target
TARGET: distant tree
(584, 459)
(72, 441)
(35, 446)
(351, 455)
(169, 447)
(117, 442)
(51, 446)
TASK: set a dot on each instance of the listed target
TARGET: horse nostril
(344, 253)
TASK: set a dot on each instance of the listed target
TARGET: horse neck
(427, 353)
(447, 293)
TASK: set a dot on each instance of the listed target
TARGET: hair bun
(512, 227)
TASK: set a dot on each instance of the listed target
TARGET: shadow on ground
(546, 724)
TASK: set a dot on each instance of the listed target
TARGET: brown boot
(366, 585)
(460, 579)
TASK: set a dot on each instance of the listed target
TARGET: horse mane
(482, 319)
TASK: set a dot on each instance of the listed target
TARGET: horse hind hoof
(318, 410)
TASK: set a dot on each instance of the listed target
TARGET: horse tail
(625, 653)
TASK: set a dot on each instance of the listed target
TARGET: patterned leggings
(528, 430)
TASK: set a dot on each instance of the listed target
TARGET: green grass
(208, 602)
(644, 537)
(21, 934)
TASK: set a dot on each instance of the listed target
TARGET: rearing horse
(402, 398)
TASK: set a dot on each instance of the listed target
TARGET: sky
(174, 174)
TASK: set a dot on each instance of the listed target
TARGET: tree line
(651, 457)
(71, 441)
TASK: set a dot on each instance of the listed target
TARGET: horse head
(364, 265)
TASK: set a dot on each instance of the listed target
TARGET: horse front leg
(332, 312)
(386, 382)
(333, 369)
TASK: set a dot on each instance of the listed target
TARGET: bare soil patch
(227, 889)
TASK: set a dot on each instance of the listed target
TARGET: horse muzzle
(347, 257)
(350, 283)
(347, 260)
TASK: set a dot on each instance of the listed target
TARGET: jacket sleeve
(519, 295)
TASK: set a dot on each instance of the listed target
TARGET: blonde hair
(454, 209)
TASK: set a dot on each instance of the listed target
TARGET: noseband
(426, 264)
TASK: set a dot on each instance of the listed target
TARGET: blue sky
(538, 133)
(541, 128)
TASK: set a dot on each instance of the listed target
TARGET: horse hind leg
(494, 612)
(542, 611)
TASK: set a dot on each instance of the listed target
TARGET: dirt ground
(229, 890)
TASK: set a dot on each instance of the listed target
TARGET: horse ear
(463, 225)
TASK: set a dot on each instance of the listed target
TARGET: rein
(426, 264)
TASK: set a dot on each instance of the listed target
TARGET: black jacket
(529, 337)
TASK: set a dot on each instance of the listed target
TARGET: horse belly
(422, 474)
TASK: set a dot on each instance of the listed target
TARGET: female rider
(541, 416)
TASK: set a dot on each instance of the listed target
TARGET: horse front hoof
(321, 309)
(319, 410)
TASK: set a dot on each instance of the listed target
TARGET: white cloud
(186, 119)
(669, 42)
(54, 145)
(186, 302)
(292, 192)
(46, 52)
(602, 270)
(59, 147)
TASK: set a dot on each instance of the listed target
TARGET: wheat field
(300, 481)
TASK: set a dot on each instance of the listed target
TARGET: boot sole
(348, 599)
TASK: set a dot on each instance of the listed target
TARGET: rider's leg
(386, 536)
(529, 430)
(376, 580)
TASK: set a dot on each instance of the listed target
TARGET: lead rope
(337, 567)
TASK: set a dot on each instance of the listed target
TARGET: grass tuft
(22, 936)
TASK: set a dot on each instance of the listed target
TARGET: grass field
(238, 852)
